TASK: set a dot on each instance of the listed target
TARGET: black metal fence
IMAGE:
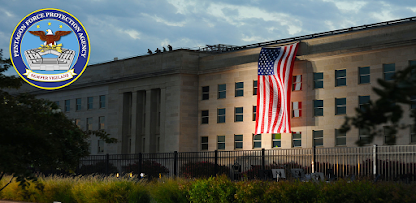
(381, 162)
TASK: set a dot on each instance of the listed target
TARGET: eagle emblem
(50, 38)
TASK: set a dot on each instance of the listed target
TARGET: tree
(35, 135)
(387, 109)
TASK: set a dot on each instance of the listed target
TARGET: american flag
(274, 86)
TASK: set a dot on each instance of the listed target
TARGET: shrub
(149, 167)
(202, 169)
(169, 190)
(213, 189)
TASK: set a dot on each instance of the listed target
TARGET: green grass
(215, 189)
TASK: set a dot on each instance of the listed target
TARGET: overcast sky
(128, 28)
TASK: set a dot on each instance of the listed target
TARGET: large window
(222, 90)
(220, 115)
(238, 141)
(102, 101)
(412, 134)
(363, 101)
(296, 109)
(340, 138)
(204, 143)
(318, 80)
(238, 114)
(221, 142)
(204, 116)
(239, 89)
(78, 122)
(277, 140)
(255, 87)
(340, 77)
(364, 75)
(296, 139)
(90, 101)
(413, 100)
(67, 105)
(297, 83)
(257, 141)
(254, 113)
(318, 107)
(78, 104)
(364, 135)
(388, 71)
(89, 123)
(100, 146)
(340, 106)
(101, 122)
(205, 93)
(318, 138)
(389, 136)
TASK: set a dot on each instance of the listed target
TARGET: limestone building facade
(197, 100)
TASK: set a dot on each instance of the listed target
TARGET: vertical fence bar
(139, 164)
(216, 163)
(375, 161)
(313, 158)
(175, 164)
(107, 163)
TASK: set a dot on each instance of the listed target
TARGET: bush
(169, 190)
(149, 167)
(202, 169)
(213, 189)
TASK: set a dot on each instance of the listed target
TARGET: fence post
(175, 163)
(107, 163)
(216, 162)
(375, 161)
(313, 158)
(140, 163)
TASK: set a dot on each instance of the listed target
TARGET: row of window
(318, 109)
(318, 139)
(78, 103)
(89, 123)
(256, 141)
(318, 81)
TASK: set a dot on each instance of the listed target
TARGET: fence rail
(381, 162)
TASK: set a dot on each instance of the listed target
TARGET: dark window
(239, 89)
(255, 87)
(78, 104)
(221, 142)
(257, 141)
(318, 106)
(364, 73)
(89, 123)
(204, 143)
(340, 138)
(238, 141)
(363, 101)
(277, 140)
(413, 100)
(101, 122)
(318, 138)
(318, 80)
(67, 105)
(364, 135)
(238, 114)
(412, 134)
(102, 101)
(205, 93)
(254, 113)
(90, 101)
(296, 139)
(204, 116)
(57, 104)
(220, 115)
(340, 106)
(388, 71)
(340, 77)
(222, 89)
(389, 136)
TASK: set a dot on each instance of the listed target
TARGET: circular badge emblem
(49, 48)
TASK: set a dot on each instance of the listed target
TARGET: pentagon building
(195, 100)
